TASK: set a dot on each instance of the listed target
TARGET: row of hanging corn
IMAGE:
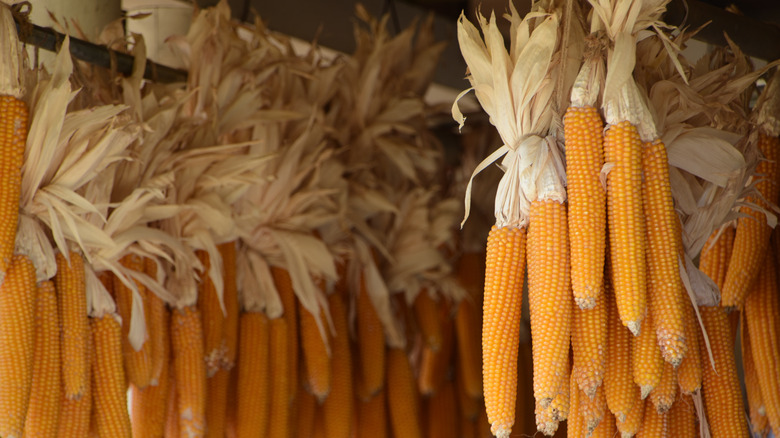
(266, 250)
(623, 162)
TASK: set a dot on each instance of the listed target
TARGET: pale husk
(11, 63)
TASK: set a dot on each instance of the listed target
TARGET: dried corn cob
(549, 297)
(425, 312)
(138, 363)
(372, 417)
(504, 270)
(371, 344)
(654, 423)
(690, 370)
(72, 304)
(150, 405)
(211, 316)
(589, 345)
(682, 418)
(43, 414)
(664, 286)
(402, 396)
(17, 336)
(339, 407)
(230, 298)
(619, 384)
(316, 353)
(623, 148)
(665, 393)
(283, 284)
(467, 330)
(189, 370)
(254, 378)
(758, 419)
(280, 415)
(110, 390)
(647, 362)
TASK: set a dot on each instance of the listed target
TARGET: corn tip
(645, 390)
(635, 327)
(585, 303)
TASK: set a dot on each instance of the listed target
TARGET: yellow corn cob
(216, 408)
(75, 414)
(583, 130)
(647, 363)
(634, 418)
(231, 416)
(43, 413)
(549, 297)
(158, 323)
(13, 129)
(504, 268)
(592, 410)
(716, 254)
(316, 358)
(72, 305)
(434, 365)
(442, 411)
(17, 336)
(372, 417)
(189, 370)
(606, 428)
(762, 313)
(279, 342)
(575, 426)
(110, 397)
(150, 405)
(618, 383)
(689, 372)
(752, 237)
(211, 316)
(525, 405)
(468, 332)
(402, 396)
(589, 345)
(720, 386)
(307, 409)
(654, 424)
(138, 363)
(371, 344)
(758, 419)
(623, 148)
(283, 284)
(254, 380)
(230, 298)
(665, 393)
(172, 415)
(664, 286)
(546, 421)
(682, 418)
(426, 314)
(339, 407)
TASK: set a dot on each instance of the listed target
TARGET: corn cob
(425, 312)
(619, 386)
(575, 424)
(752, 236)
(43, 414)
(689, 372)
(758, 419)
(316, 354)
(634, 418)
(504, 267)
(189, 370)
(546, 421)
(664, 286)
(283, 284)
(149, 405)
(762, 313)
(716, 255)
(434, 365)
(647, 363)
(254, 379)
(549, 297)
(592, 410)
(339, 407)
(442, 410)
(211, 317)
(280, 415)
(402, 396)
(665, 393)
(467, 330)
(626, 225)
(682, 418)
(13, 129)
(172, 429)
(589, 345)
(606, 428)
(372, 417)
(230, 298)
(371, 344)
(138, 363)
(72, 305)
(654, 424)
(75, 414)
(17, 336)
(307, 411)
(720, 386)
(216, 408)
(583, 130)
(110, 390)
